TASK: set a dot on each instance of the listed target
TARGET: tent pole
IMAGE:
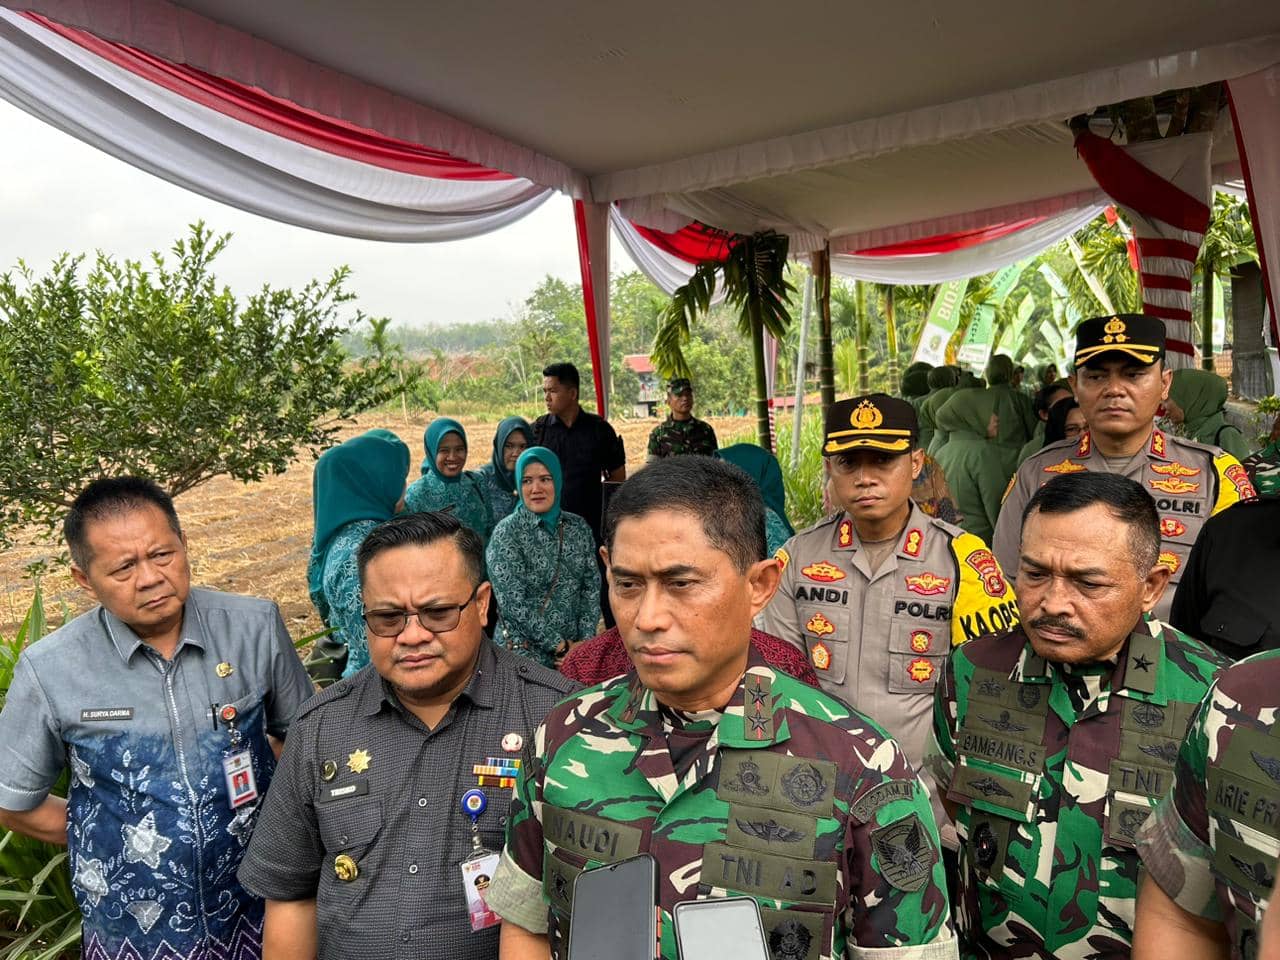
(589, 304)
(798, 418)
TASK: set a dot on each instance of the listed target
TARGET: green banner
(944, 316)
(975, 350)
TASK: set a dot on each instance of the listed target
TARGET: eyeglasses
(441, 619)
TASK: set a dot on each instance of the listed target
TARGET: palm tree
(1228, 241)
(755, 284)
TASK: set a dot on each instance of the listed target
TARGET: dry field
(255, 538)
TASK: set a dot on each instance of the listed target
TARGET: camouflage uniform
(1190, 482)
(879, 641)
(673, 438)
(1212, 842)
(788, 796)
(1055, 770)
(1263, 467)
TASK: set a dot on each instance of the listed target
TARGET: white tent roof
(869, 122)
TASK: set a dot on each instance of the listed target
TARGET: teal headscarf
(762, 467)
(549, 460)
(362, 479)
(431, 438)
(506, 478)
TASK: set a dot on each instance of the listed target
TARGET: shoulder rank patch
(1174, 485)
(844, 533)
(820, 655)
(984, 562)
(1083, 447)
(820, 626)
(1175, 469)
(1009, 488)
(914, 542)
(1239, 478)
(823, 572)
(757, 707)
(928, 584)
(1172, 527)
(1158, 443)
(782, 557)
(1066, 466)
(905, 853)
(1169, 559)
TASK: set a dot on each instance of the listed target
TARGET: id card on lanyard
(237, 764)
(478, 868)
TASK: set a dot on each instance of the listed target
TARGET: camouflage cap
(677, 385)
(1134, 335)
(876, 421)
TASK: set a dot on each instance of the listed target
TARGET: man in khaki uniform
(1120, 380)
(879, 592)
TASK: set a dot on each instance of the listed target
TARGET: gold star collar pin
(358, 761)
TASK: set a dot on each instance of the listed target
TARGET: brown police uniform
(879, 640)
(1189, 481)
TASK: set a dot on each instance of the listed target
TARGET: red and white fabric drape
(1165, 188)
(1255, 110)
(241, 146)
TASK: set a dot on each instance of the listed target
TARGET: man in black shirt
(1227, 594)
(589, 449)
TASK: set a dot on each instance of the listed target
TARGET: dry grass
(255, 538)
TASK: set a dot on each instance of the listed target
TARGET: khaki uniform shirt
(879, 640)
(1190, 482)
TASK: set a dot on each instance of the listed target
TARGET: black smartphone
(718, 928)
(615, 912)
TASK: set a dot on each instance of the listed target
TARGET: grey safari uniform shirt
(880, 641)
(1189, 481)
(152, 838)
(398, 818)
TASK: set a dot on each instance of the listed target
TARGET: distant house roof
(638, 363)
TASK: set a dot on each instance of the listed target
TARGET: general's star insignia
(358, 761)
(1142, 663)
(758, 725)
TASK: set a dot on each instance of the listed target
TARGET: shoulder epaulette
(1207, 448)
(335, 691)
(824, 522)
(951, 529)
(539, 675)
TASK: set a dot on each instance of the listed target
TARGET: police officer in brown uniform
(879, 592)
(1120, 380)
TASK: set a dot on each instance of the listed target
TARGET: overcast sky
(58, 194)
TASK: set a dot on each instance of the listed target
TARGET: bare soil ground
(255, 538)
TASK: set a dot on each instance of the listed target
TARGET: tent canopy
(872, 123)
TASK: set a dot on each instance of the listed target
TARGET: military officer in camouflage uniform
(1120, 380)
(1210, 848)
(681, 432)
(1053, 741)
(878, 593)
(737, 778)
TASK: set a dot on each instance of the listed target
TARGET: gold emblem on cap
(358, 761)
(345, 868)
(1115, 331)
(328, 770)
(224, 669)
(866, 416)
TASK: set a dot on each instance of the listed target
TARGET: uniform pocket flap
(344, 826)
(995, 789)
(1231, 620)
